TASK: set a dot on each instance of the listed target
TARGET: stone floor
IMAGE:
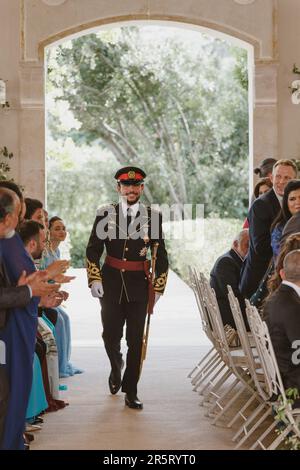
(171, 419)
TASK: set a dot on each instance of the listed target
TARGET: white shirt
(293, 286)
(133, 209)
(280, 198)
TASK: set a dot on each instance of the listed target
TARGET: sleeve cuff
(30, 290)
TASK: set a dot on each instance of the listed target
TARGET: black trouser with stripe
(114, 316)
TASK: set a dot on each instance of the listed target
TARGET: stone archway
(48, 21)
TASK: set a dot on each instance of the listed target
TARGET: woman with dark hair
(290, 207)
(262, 186)
(292, 243)
(34, 210)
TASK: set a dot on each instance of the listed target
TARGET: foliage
(74, 193)
(4, 166)
(176, 108)
(292, 441)
(178, 113)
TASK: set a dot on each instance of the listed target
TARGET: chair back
(261, 335)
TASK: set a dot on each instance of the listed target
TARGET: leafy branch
(4, 166)
(292, 442)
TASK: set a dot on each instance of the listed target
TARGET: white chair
(256, 373)
(211, 367)
(273, 383)
(234, 358)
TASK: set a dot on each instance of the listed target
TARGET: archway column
(265, 111)
(32, 129)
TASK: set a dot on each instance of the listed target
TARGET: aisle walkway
(171, 419)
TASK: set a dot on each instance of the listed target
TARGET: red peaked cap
(130, 173)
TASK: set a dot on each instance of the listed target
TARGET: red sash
(123, 266)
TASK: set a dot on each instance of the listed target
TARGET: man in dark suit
(127, 231)
(261, 215)
(292, 226)
(282, 312)
(226, 271)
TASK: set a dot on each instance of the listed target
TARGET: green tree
(180, 114)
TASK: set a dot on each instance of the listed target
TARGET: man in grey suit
(13, 296)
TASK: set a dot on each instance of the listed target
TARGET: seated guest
(226, 271)
(282, 313)
(58, 235)
(290, 207)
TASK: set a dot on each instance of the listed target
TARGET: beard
(132, 202)
(37, 254)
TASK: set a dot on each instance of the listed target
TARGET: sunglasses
(130, 183)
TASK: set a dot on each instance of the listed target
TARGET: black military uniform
(125, 277)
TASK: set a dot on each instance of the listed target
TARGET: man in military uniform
(128, 231)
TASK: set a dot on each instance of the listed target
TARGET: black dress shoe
(114, 380)
(132, 401)
(38, 420)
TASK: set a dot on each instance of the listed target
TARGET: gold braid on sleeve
(160, 282)
(93, 272)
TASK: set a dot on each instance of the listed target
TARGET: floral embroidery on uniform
(143, 251)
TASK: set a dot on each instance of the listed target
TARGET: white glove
(97, 289)
(157, 297)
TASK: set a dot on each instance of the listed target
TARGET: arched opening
(172, 196)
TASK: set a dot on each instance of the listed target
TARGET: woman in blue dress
(63, 327)
(37, 399)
